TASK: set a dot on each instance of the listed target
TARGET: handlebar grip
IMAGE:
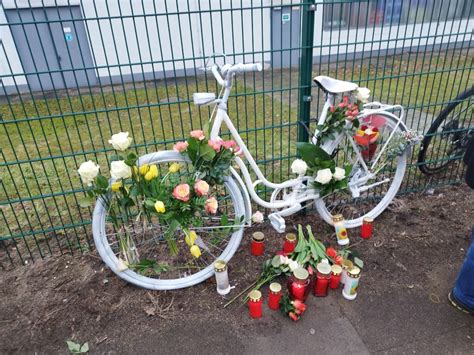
(250, 67)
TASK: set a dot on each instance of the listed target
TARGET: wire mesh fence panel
(74, 73)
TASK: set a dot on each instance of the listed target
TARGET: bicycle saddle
(334, 86)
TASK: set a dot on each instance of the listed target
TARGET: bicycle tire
(325, 213)
(424, 168)
(111, 260)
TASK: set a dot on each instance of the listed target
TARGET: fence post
(306, 64)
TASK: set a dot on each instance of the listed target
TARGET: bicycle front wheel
(390, 172)
(156, 267)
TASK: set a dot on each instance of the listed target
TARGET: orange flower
(181, 192)
(331, 252)
(338, 259)
(211, 205)
(293, 316)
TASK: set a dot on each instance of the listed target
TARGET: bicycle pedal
(278, 222)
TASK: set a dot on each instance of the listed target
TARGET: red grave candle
(255, 304)
(322, 279)
(274, 296)
(290, 243)
(336, 273)
(298, 284)
(367, 227)
(257, 246)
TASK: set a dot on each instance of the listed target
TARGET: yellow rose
(174, 168)
(115, 187)
(160, 207)
(190, 238)
(144, 169)
(152, 173)
(135, 170)
(195, 251)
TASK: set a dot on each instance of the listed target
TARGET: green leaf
(84, 348)
(73, 347)
(309, 152)
(193, 149)
(101, 182)
(207, 153)
(358, 262)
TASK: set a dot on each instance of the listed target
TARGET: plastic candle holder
(346, 265)
(341, 231)
(255, 304)
(336, 273)
(257, 246)
(349, 292)
(274, 296)
(298, 284)
(222, 277)
(290, 243)
(367, 227)
(323, 276)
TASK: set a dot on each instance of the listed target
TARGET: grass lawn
(45, 140)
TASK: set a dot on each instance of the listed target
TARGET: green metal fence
(74, 72)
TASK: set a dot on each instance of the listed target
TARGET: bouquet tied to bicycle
(173, 199)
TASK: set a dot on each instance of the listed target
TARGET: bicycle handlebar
(242, 68)
(229, 69)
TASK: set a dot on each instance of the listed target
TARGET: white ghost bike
(371, 187)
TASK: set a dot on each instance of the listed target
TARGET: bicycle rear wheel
(446, 140)
(375, 200)
(158, 269)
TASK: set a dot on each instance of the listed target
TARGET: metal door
(286, 29)
(53, 46)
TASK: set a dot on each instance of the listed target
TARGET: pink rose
(238, 152)
(341, 105)
(181, 192)
(198, 134)
(211, 205)
(355, 112)
(345, 99)
(180, 147)
(332, 109)
(216, 145)
(201, 187)
(229, 144)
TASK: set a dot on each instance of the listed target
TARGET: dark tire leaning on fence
(184, 271)
(440, 148)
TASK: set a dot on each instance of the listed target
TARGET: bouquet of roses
(292, 308)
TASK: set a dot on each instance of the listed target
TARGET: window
(359, 14)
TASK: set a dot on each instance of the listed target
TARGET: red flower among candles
(367, 227)
(290, 243)
(274, 296)
(257, 246)
(255, 304)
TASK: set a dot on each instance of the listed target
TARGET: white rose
(120, 170)
(283, 259)
(88, 171)
(257, 217)
(323, 176)
(120, 141)
(362, 94)
(293, 265)
(299, 167)
(339, 174)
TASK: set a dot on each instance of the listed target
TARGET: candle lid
(323, 268)
(336, 269)
(219, 265)
(347, 264)
(255, 295)
(368, 219)
(291, 237)
(258, 236)
(275, 287)
(337, 218)
(354, 272)
(301, 273)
